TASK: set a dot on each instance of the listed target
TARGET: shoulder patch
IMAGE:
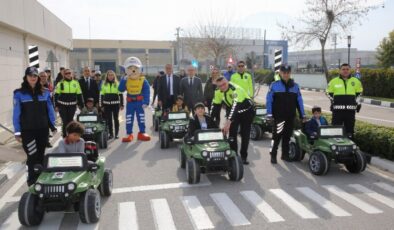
(353, 83)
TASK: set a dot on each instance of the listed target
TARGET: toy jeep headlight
(187, 126)
(94, 128)
(354, 147)
(204, 153)
(172, 127)
(228, 152)
(37, 187)
(333, 147)
(70, 186)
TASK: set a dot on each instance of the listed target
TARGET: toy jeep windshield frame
(177, 116)
(261, 112)
(88, 118)
(208, 135)
(327, 131)
(63, 162)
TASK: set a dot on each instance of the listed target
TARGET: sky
(158, 19)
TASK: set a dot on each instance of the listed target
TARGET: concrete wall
(24, 23)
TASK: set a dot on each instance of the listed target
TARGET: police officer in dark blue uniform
(33, 116)
(283, 98)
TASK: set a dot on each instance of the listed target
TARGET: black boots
(273, 158)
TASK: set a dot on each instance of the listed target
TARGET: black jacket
(91, 92)
(194, 124)
(162, 92)
(209, 90)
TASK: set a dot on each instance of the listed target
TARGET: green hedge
(373, 139)
(376, 82)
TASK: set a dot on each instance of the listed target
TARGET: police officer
(67, 96)
(111, 100)
(283, 97)
(239, 112)
(343, 92)
(32, 117)
(243, 79)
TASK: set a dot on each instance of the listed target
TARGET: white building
(24, 23)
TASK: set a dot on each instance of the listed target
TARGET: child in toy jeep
(209, 151)
(330, 144)
(67, 180)
(175, 126)
(95, 129)
(260, 124)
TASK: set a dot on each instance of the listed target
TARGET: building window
(79, 50)
(104, 50)
(133, 51)
(159, 51)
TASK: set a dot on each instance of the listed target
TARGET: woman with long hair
(111, 101)
(32, 117)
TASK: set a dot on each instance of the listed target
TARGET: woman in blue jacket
(33, 116)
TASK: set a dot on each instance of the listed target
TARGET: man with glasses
(229, 72)
(343, 92)
(243, 79)
(67, 96)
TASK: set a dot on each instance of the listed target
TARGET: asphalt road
(151, 193)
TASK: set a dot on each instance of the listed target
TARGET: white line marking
(12, 169)
(293, 204)
(256, 201)
(127, 216)
(232, 213)
(52, 220)
(385, 186)
(352, 199)
(12, 222)
(196, 213)
(4, 199)
(162, 214)
(323, 202)
(83, 226)
(374, 195)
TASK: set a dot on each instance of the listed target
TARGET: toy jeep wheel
(164, 140)
(294, 152)
(107, 183)
(28, 213)
(318, 163)
(193, 171)
(103, 138)
(358, 164)
(255, 132)
(90, 206)
(182, 159)
(156, 123)
(236, 172)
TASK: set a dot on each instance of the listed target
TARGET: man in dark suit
(168, 88)
(89, 86)
(191, 88)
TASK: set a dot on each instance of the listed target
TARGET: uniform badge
(234, 95)
(353, 84)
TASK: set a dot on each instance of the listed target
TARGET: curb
(383, 164)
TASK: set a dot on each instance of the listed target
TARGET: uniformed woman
(111, 100)
(67, 96)
(32, 117)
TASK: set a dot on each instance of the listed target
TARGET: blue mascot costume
(138, 93)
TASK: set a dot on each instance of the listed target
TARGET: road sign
(358, 66)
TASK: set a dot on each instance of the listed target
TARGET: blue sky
(157, 20)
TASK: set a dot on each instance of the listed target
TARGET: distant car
(174, 126)
(67, 180)
(260, 124)
(209, 151)
(331, 144)
(95, 129)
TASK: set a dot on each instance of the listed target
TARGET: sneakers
(143, 137)
(116, 136)
(110, 137)
(245, 161)
(49, 145)
(129, 138)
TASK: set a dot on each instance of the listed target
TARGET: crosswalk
(327, 197)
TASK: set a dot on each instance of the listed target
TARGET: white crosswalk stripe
(196, 212)
(293, 204)
(162, 214)
(352, 199)
(385, 186)
(127, 215)
(232, 213)
(323, 202)
(11, 222)
(83, 226)
(379, 197)
(52, 220)
(255, 200)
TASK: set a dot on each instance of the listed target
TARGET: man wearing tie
(191, 88)
(89, 87)
(168, 88)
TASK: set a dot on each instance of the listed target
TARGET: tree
(385, 50)
(322, 18)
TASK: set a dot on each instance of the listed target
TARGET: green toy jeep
(156, 117)
(173, 126)
(67, 180)
(331, 144)
(95, 129)
(260, 124)
(209, 151)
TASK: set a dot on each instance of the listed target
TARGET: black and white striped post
(277, 59)
(33, 57)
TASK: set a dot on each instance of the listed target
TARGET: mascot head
(133, 67)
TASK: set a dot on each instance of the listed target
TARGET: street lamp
(147, 60)
(349, 43)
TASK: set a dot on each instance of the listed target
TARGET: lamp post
(147, 60)
(349, 43)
